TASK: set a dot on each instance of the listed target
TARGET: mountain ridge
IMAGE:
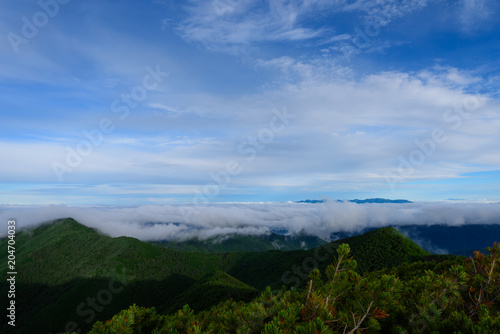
(358, 201)
(72, 274)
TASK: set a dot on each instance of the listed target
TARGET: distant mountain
(359, 201)
(244, 243)
(71, 275)
(312, 201)
(379, 200)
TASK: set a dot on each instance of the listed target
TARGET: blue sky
(152, 102)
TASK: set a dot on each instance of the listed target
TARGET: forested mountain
(244, 243)
(455, 296)
(71, 276)
(444, 239)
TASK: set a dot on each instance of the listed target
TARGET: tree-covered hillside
(443, 239)
(462, 298)
(71, 276)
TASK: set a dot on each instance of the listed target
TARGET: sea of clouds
(181, 222)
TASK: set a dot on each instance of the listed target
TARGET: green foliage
(135, 320)
(383, 248)
(460, 298)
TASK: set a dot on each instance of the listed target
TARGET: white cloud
(474, 13)
(376, 118)
(224, 25)
(381, 13)
(182, 222)
(232, 26)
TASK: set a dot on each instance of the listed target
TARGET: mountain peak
(383, 247)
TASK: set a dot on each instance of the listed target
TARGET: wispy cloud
(233, 26)
(226, 24)
(475, 13)
(381, 13)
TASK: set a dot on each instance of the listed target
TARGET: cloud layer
(184, 222)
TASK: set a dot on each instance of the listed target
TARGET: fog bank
(187, 221)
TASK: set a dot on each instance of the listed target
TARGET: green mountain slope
(70, 275)
(218, 286)
(73, 275)
(382, 248)
(377, 249)
(458, 297)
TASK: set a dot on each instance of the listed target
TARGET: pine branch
(361, 320)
